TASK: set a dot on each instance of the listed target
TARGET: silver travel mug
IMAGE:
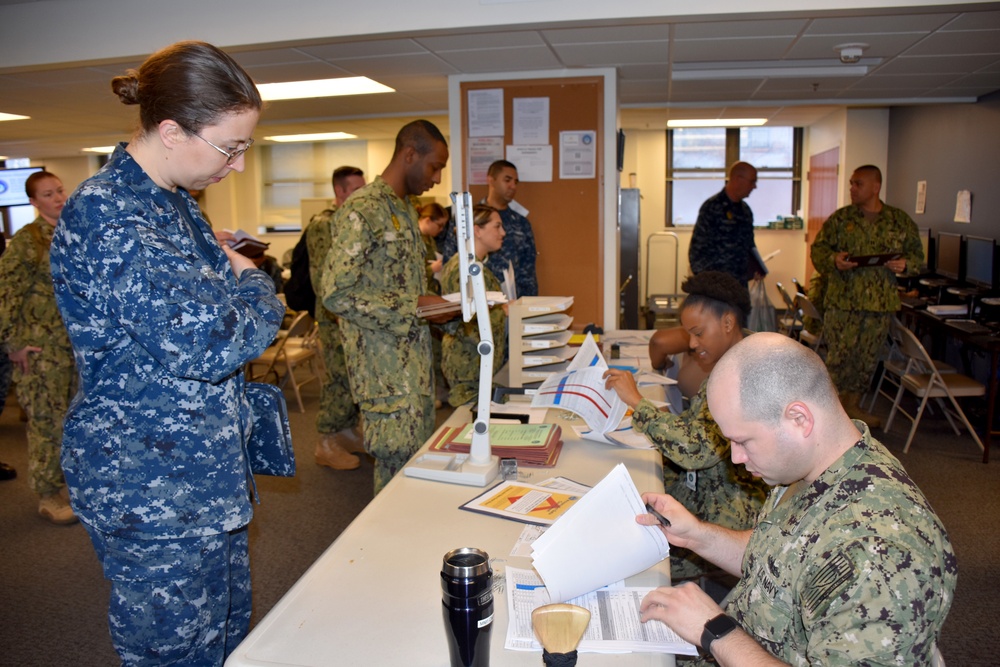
(467, 606)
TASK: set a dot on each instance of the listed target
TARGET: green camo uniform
(859, 303)
(29, 317)
(695, 448)
(460, 359)
(337, 410)
(855, 569)
(372, 279)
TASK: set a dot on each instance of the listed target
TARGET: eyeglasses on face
(230, 157)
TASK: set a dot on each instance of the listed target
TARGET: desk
(374, 596)
(988, 343)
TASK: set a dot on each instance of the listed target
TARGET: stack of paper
(580, 390)
(531, 444)
(944, 310)
(597, 541)
(614, 626)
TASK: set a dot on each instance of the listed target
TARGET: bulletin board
(565, 214)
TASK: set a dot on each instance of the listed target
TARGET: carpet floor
(53, 597)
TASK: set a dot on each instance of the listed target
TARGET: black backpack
(299, 293)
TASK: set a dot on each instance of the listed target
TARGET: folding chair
(295, 348)
(921, 378)
(893, 365)
(790, 323)
(807, 309)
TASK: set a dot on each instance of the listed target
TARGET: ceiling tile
(861, 25)
(625, 33)
(705, 50)
(594, 55)
(960, 43)
(739, 29)
(481, 40)
(975, 21)
(305, 71)
(364, 49)
(498, 60)
(935, 64)
(879, 46)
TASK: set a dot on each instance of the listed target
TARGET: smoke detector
(850, 53)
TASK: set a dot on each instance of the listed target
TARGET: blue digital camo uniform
(153, 445)
(518, 249)
(372, 279)
(853, 569)
(723, 238)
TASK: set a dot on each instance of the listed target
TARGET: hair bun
(126, 87)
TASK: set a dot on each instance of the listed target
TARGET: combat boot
(332, 454)
(852, 406)
(55, 508)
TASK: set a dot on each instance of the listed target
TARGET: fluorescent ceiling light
(315, 136)
(12, 116)
(764, 69)
(297, 90)
(717, 122)
(107, 150)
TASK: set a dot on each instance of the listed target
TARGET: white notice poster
(531, 121)
(486, 113)
(578, 154)
(534, 163)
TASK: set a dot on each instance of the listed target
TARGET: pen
(664, 521)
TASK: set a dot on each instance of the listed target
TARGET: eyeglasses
(230, 157)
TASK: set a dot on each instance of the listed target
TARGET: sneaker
(55, 508)
(330, 453)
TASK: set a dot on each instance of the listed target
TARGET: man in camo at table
(374, 280)
(859, 300)
(847, 565)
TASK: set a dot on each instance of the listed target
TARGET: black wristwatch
(717, 628)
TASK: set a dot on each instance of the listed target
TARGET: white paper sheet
(602, 526)
(614, 627)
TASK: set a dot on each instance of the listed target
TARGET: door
(822, 177)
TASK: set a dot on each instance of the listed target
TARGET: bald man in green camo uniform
(33, 334)
(859, 301)
(847, 565)
(374, 281)
(337, 418)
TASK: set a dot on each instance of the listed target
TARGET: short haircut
(341, 174)
(191, 83)
(498, 166)
(871, 170)
(421, 135)
(31, 183)
(774, 370)
(719, 293)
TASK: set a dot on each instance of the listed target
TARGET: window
(295, 171)
(698, 158)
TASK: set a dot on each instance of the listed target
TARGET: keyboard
(970, 326)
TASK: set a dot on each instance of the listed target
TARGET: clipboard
(874, 260)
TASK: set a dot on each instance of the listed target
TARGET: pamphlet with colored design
(522, 502)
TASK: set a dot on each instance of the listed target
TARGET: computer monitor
(12, 185)
(949, 256)
(979, 253)
(925, 243)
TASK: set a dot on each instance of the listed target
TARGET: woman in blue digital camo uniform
(162, 321)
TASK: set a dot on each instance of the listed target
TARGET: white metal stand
(479, 467)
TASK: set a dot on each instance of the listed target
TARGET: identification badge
(691, 480)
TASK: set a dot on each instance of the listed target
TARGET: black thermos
(467, 606)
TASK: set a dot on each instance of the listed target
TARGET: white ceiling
(916, 56)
